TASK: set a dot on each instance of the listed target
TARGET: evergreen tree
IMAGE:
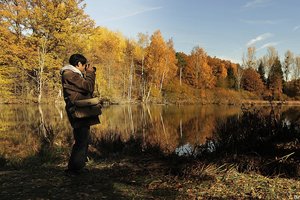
(262, 72)
(182, 63)
(275, 79)
(231, 79)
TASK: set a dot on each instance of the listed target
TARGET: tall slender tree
(182, 63)
(275, 79)
(160, 60)
(297, 68)
(288, 62)
(262, 73)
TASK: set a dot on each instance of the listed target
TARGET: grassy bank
(143, 177)
(175, 94)
(126, 170)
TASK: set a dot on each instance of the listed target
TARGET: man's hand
(89, 68)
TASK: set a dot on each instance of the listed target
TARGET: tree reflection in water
(184, 130)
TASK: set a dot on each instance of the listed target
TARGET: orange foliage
(160, 60)
(251, 81)
(197, 72)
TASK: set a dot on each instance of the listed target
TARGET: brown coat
(76, 87)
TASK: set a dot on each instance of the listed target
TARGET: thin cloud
(272, 22)
(259, 38)
(256, 3)
(296, 28)
(268, 45)
(133, 14)
(234, 60)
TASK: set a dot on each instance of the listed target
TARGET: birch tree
(287, 65)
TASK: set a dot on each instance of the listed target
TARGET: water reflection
(171, 128)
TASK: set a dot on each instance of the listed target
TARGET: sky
(224, 28)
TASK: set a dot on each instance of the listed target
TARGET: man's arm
(87, 84)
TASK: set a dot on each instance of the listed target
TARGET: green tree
(262, 73)
(182, 63)
(231, 78)
(275, 79)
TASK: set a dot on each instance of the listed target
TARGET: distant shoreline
(263, 102)
(234, 103)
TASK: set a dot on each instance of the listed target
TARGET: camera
(86, 66)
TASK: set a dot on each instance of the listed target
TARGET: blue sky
(224, 28)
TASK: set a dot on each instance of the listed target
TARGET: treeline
(38, 36)
(269, 77)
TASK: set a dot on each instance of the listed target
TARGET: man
(78, 80)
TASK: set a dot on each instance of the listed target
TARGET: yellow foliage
(160, 60)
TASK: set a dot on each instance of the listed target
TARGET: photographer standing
(78, 80)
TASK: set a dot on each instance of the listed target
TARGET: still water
(173, 128)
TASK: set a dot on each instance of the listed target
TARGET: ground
(143, 177)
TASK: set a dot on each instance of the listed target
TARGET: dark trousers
(79, 151)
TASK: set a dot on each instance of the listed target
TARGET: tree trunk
(42, 54)
(143, 82)
(162, 80)
(148, 94)
(180, 75)
(124, 82)
(109, 79)
(130, 80)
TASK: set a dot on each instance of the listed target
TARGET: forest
(38, 36)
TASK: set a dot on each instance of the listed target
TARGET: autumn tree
(40, 29)
(224, 71)
(249, 61)
(221, 73)
(251, 81)
(142, 44)
(198, 73)
(269, 59)
(160, 61)
(129, 67)
(171, 66)
(292, 88)
(15, 50)
(106, 50)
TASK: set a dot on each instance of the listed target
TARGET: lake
(173, 129)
